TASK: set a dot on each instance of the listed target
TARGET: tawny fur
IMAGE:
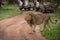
(37, 19)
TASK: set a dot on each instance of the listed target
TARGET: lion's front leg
(37, 28)
(33, 27)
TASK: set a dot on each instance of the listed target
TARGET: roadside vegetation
(11, 10)
(7, 11)
(54, 33)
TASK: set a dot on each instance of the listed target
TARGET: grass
(54, 33)
(8, 11)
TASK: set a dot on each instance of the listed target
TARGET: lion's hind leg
(48, 26)
(43, 27)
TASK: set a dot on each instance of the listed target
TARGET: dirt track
(16, 28)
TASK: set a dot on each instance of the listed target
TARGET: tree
(0, 2)
(12, 1)
(57, 2)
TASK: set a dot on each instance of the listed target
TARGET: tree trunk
(12, 1)
(0, 2)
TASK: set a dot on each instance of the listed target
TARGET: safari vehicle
(26, 4)
(31, 5)
(47, 5)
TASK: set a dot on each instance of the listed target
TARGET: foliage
(8, 11)
(12, 1)
(54, 33)
(0, 2)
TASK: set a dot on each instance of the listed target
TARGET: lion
(37, 19)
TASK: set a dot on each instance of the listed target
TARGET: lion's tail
(55, 21)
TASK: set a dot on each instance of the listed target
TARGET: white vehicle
(25, 4)
(20, 5)
(37, 4)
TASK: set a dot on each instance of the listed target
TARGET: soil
(16, 28)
